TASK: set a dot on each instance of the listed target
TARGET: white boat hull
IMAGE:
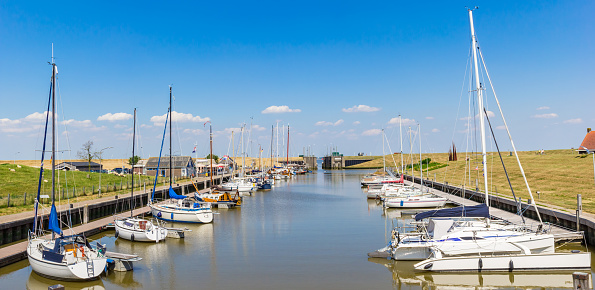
(182, 215)
(76, 271)
(511, 263)
(418, 202)
(137, 235)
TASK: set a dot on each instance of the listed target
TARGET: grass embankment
(72, 185)
(558, 175)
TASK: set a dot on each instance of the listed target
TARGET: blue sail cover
(174, 195)
(54, 224)
(480, 210)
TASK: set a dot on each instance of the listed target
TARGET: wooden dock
(22, 222)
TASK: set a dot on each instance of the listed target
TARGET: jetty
(92, 216)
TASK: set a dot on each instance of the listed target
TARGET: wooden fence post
(25, 199)
(8, 202)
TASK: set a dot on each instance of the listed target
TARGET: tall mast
(243, 155)
(170, 156)
(287, 156)
(421, 165)
(272, 134)
(54, 69)
(401, 137)
(277, 148)
(211, 142)
(475, 47)
(411, 154)
(133, 139)
(233, 153)
(383, 155)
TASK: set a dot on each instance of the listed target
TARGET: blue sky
(338, 71)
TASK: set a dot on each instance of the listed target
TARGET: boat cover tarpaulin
(54, 224)
(174, 195)
(480, 210)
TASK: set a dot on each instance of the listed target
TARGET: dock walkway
(14, 253)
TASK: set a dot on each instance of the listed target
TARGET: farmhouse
(182, 166)
(79, 166)
(588, 142)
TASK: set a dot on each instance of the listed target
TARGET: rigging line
(504, 167)
(67, 135)
(460, 100)
(510, 138)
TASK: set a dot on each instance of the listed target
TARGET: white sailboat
(64, 257)
(178, 208)
(530, 251)
(134, 228)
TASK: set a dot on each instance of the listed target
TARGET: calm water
(313, 232)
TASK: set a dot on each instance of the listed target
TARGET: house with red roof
(588, 142)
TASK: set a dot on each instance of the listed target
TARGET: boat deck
(561, 234)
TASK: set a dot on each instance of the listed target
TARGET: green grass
(76, 185)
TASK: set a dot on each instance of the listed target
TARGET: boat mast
(421, 165)
(243, 153)
(475, 47)
(211, 145)
(287, 158)
(133, 139)
(411, 155)
(383, 155)
(54, 69)
(272, 135)
(170, 156)
(401, 139)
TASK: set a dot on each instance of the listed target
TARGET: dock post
(579, 209)
(145, 187)
(8, 202)
(183, 189)
(580, 280)
(86, 214)
(25, 199)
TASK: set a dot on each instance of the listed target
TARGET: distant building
(79, 166)
(182, 166)
(588, 142)
(139, 167)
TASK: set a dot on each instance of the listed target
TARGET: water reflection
(36, 282)
(403, 275)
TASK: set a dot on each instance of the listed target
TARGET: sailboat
(411, 197)
(529, 251)
(63, 257)
(241, 184)
(179, 208)
(134, 228)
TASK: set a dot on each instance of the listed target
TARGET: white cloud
(404, 121)
(429, 118)
(435, 130)
(360, 108)
(543, 108)
(115, 117)
(258, 128)
(119, 126)
(573, 121)
(76, 123)
(501, 127)
(372, 132)
(356, 123)
(546, 116)
(35, 117)
(326, 123)
(279, 110)
(179, 117)
(145, 126)
(193, 131)
(490, 115)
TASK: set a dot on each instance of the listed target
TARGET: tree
(134, 160)
(87, 153)
(214, 157)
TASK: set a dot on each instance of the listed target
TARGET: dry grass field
(558, 175)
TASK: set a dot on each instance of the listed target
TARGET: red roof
(589, 141)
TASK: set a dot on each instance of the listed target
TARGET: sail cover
(54, 224)
(174, 195)
(480, 210)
